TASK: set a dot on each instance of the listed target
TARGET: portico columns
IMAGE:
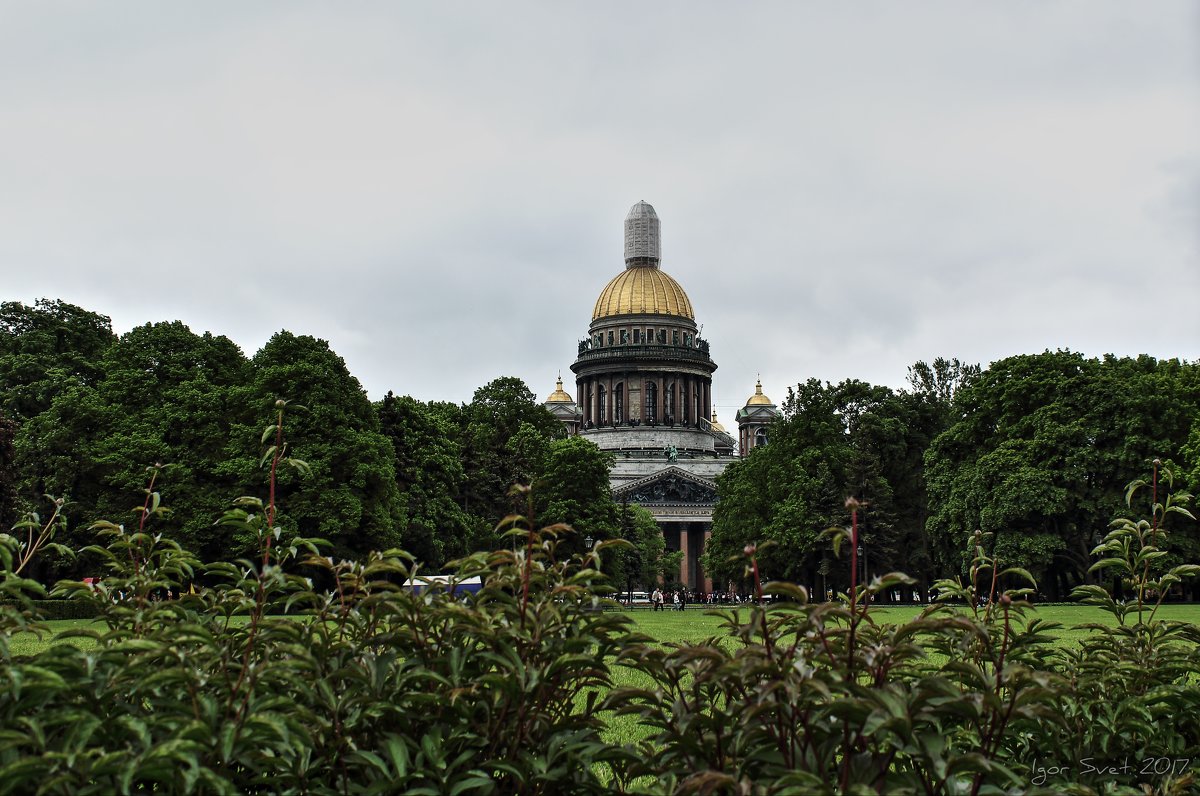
(684, 562)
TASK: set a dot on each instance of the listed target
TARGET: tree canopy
(1036, 450)
(1041, 449)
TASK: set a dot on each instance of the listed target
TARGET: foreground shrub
(970, 697)
(292, 672)
(254, 680)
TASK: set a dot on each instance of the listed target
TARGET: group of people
(679, 600)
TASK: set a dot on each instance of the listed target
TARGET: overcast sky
(438, 189)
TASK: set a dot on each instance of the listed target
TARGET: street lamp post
(589, 541)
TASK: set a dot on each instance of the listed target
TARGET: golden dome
(758, 399)
(559, 396)
(717, 426)
(643, 290)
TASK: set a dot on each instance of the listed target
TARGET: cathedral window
(624, 337)
(637, 336)
(618, 403)
(651, 402)
(602, 408)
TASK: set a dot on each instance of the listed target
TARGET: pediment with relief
(670, 487)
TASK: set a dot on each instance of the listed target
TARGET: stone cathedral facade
(643, 378)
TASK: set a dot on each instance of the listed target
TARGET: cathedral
(643, 377)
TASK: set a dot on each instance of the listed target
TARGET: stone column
(707, 580)
(608, 392)
(686, 560)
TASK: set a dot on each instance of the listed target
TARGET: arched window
(669, 402)
(651, 401)
(760, 437)
(618, 403)
(602, 404)
(685, 403)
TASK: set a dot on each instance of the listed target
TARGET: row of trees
(1036, 450)
(85, 412)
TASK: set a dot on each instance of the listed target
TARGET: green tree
(45, 348)
(1040, 450)
(501, 429)
(167, 396)
(429, 473)
(350, 497)
(833, 441)
(785, 493)
(573, 488)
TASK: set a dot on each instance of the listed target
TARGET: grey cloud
(439, 190)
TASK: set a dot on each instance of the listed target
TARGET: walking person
(656, 600)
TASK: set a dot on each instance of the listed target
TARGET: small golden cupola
(754, 420)
(559, 396)
(562, 406)
(758, 399)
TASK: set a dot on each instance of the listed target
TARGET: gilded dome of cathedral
(643, 290)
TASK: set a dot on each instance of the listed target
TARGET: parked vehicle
(636, 599)
(460, 587)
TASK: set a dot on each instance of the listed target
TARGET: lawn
(693, 625)
(697, 624)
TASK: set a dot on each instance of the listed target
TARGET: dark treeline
(1036, 450)
(84, 413)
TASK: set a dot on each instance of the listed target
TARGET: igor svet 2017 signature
(1090, 768)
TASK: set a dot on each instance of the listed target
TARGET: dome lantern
(642, 237)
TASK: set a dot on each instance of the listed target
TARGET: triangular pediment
(672, 486)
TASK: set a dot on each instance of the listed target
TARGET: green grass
(33, 643)
(695, 625)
